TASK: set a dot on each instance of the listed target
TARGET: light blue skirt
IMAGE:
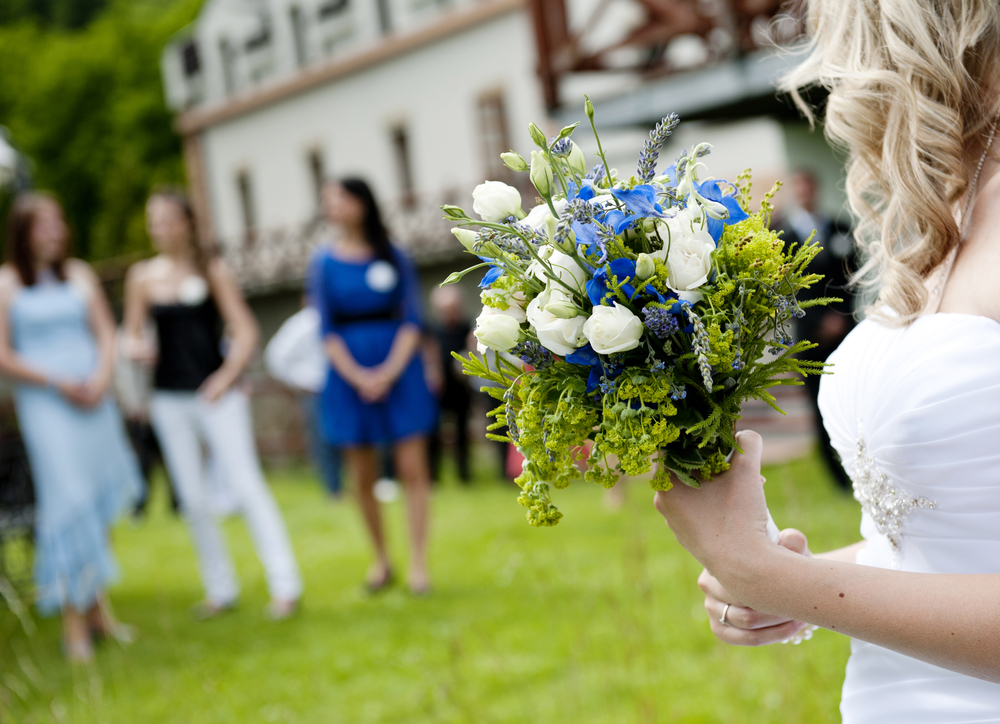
(85, 474)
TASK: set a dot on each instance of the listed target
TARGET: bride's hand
(744, 626)
(724, 523)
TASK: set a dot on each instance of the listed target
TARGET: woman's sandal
(123, 633)
(207, 610)
(80, 651)
(381, 583)
(282, 609)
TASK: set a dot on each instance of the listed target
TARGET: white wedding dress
(914, 413)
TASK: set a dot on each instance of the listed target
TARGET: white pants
(182, 421)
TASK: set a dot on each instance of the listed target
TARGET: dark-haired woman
(57, 341)
(196, 403)
(368, 298)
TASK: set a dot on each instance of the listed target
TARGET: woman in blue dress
(57, 341)
(368, 298)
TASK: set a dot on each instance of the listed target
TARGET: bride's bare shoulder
(972, 287)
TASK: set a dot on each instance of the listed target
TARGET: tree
(87, 106)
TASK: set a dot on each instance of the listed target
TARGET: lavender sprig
(533, 354)
(651, 147)
(660, 321)
(701, 347)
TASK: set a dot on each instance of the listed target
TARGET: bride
(913, 405)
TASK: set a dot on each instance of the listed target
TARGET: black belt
(388, 316)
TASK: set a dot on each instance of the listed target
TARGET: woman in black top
(196, 404)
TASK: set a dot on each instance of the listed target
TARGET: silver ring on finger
(725, 611)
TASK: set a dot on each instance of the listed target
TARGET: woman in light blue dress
(57, 337)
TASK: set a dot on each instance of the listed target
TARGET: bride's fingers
(710, 586)
(741, 617)
(756, 637)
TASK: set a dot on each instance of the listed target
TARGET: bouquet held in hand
(634, 312)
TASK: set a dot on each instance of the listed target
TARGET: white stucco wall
(433, 90)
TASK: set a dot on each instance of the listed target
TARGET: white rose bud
(613, 329)
(495, 201)
(539, 215)
(645, 267)
(576, 159)
(559, 304)
(466, 236)
(559, 336)
(496, 330)
(514, 303)
(541, 174)
(514, 161)
(564, 268)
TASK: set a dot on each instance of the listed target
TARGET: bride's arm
(942, 619)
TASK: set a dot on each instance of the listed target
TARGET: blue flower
(585, 356)
(621, 269)
(492, 275)
(641, 200)
(711, 191)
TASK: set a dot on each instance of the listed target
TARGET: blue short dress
(365, 303)
(84, 469)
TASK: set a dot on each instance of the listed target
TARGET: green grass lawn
(596, 620)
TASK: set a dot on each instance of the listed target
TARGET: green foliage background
(80, 91)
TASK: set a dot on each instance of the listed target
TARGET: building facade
(417, 96)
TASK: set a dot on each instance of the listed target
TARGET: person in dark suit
(451, 334)
(826, 326)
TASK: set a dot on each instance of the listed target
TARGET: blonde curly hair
(912, 93)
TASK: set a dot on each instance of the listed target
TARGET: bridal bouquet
(634, 312)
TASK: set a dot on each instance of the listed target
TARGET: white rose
(495, 201)
(537, 217)
(564, 267)
(513, 300)
(689, 263)
(684, 223)
(613, 329)
(496, 330)
(560, 336)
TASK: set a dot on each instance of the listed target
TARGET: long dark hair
(203, 252)
(375, 232)
(19, 224)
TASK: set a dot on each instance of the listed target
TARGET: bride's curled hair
(913, 92)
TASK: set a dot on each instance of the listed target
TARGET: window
(228, 69)
(299, 35)
(332, 8)
(493, 131)
(401, 149)
(335, 24)
(317, 171)
(384, 19)
(190, 59)
(260, 39)
(245, 189)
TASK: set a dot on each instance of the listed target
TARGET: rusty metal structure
(728, 29)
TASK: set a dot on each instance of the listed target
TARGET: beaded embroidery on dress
(886, 504)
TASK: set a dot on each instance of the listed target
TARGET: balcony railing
(669, 36)
(279, 258)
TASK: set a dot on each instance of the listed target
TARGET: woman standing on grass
(57, 342)
(376, 394)
(190, 296)
(913, 404)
